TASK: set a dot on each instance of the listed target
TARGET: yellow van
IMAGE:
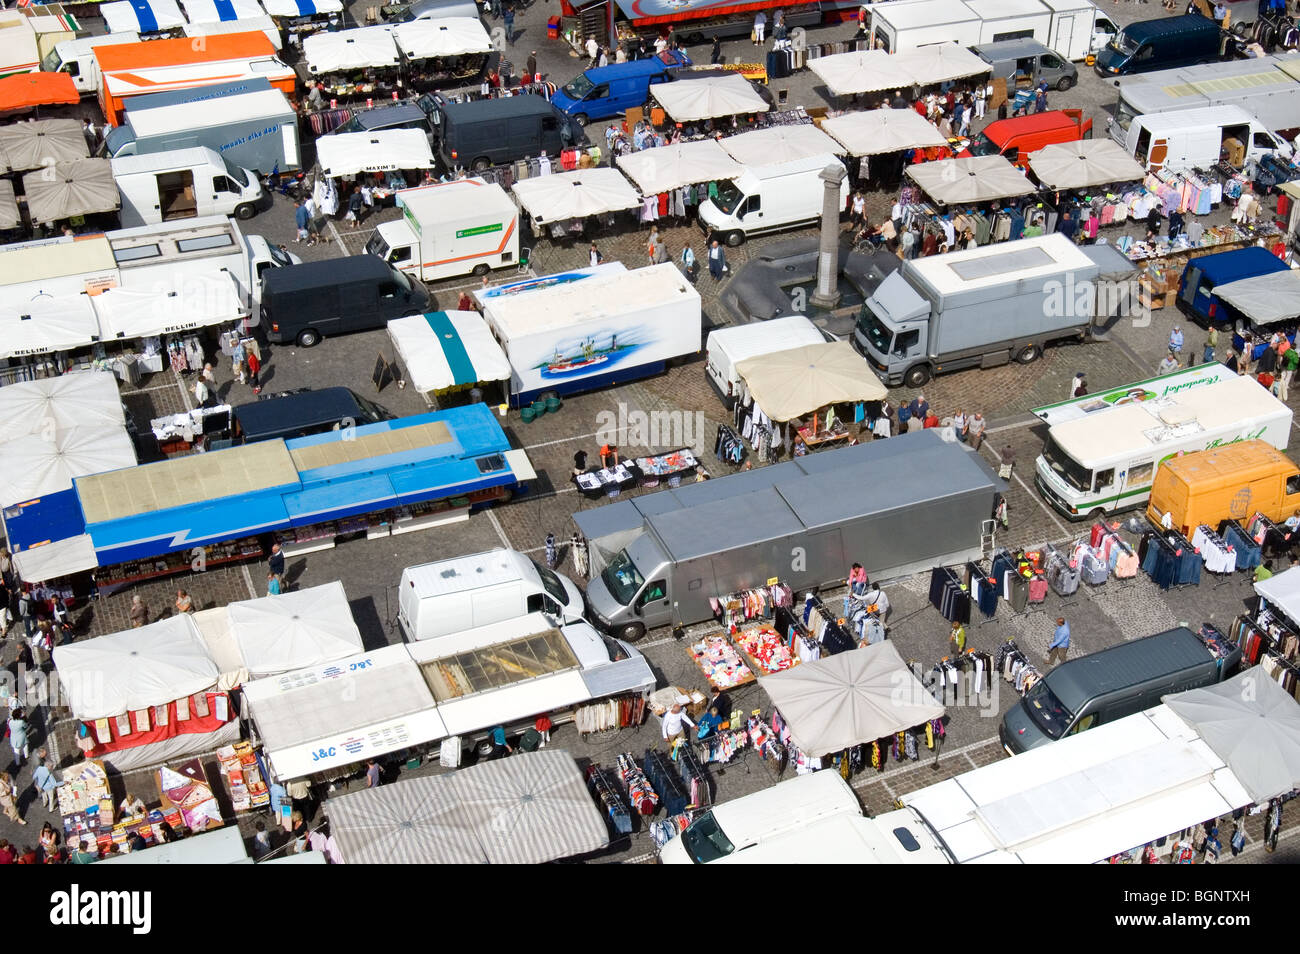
(1233, 481)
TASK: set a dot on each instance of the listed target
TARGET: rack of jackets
(825, 628)
(609, 795)
(666, 781)
(1093, 568)
(1169, 559)
(757, 603)
(1119, 556)
(1015, 667)
(1011, 585)
(641, 795)
(949, 595)
(1216, 553)
(695, 778)
(1269, 536)
(728, 447)
(983, 588)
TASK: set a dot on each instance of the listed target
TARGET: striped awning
(447, 349)
(528, 809)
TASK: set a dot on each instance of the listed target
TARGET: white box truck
(77, 59)
(577, 331)
(768, 198)
(452, 228)
(1195, 138)
(185, 184)
(726, 347)
(901, 25)
(1078, 28)
(1013, 20)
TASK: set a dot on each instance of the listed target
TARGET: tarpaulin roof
(1084, 163)
(224, 846)
(791, 383)
(1264, 299)
(49, 561)
(197, 301)
(219, 640)
(9, 216)
(869, 71)
(141, 16)
(47, 324)
(941, 62)
(1283, 591)
(575, 195)
(347, 154)
(26, 90)
(708, 98)
(36, 144)
(446, 349)
(364, 47)
(301, 8)
(134, 669)
(87, 398)
(1251, 723)
(681, 164)
(850, 698)
(68, 189)
(775, 144)
(528, 809)
(449, 36)
(36, 465)
(970, 179)
(875, 131)
(209, 11)
(296, 629)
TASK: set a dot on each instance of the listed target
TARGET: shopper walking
(1290, 361)
(976, 429)
(1059, 647)
(760, 25)
(1176, 341)
(674, 721)
(552, 555)
(1211, 344)
(275, 563)
(139, 612)
(717, 260)
(45, 781)
(18, 729)
(957, 639)
(254, 372)
(9, 799)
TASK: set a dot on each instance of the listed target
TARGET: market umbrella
(32, 145)
(88, 398)
(363, 48)
(447, 349)
(850, 698)
(575, 195)
(1267, 299)
(9, 215)
(1253, 724)
(411, 822)
(970, 179)
(47, 324)
(792, 383)
(859, 71)
(37, 466)
(24, 91)
(875, 131)
(296, 629)
(776, 144)
(688, 100)
(1084, 163)
(68, 189)
(680, 164)
(940, 63)
(448, 36)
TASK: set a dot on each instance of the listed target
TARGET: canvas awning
(793, 383)
(292, 9)
(709, 98)
(198, 301)
(38, 465)
(149, 666)
(359, 49)
(347, 154)
(1083, 164)
(219, 640)
(1253, 724)
(850, 698)
(10, 218)
(1282, 590)
(859, 71)
(227, 11)
(777, 144)
(671, 167)
(84, 399)
(446, 349)
(68, 189)
(295, 630)
(450, 36)
(33, 145)
(49, 561)
(875, 131)
(575, 195)
(141, 16)
(47, 324)
(941, 63)
(1264, 299)
(528, 809)
(970, 179)
(29, 90)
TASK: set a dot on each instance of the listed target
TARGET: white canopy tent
(207, 11)
(688, 100)
(49, 561)
(850, 698)
(85, 399)
(448, 36)
(292, 9)
(970, 179)
(859, 71)
(777, 144)
(348, 154)
(1084, 163)
(222, 846)
(36, 144)
(682, 164)
(798, 381)
(36, 465)
(1282, 590)
(135, 669)
(197, 301)
(68, 189)
(47, 324)
(363, 48)
(10, 218)
(219, 640)
(295, 630)
(529, 809)
(121, 16)
(575, 195)
(875, 131)
(941, 63)
(1264, 299)
(424, 350)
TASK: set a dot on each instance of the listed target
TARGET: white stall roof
(1283, 591)
(149, 666)
(423, 351)
(796, 381)
(47, 324)
(207, 11)
(216, 112)
(36, 465)
(362, 48)
(969, 180)
(1084, 163)
(219, 640)
(1266, 299)
(87, 398)
(940, 63)
(350, 153)
(225, 846)
(292, 9)
(9, 215)
(713, 97)
(447, 36)
(196, 301)
(68, 189)
(882, 130)
(36, 144)
(295, 630)
(575, 195)
(860, 71)
(49, 561)
(141, 16)
(682, 164)
(776, 144)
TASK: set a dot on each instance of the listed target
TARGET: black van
(1161, 44)
(305, 412)
(492, 132)
(1116, 682)
(388, 116)
(303, 303)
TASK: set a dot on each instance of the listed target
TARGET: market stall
(672, 167)
(1084, 164)
(294, 630)
(219, 640)
(570, 197)
(1265, 299)
(41, 143)
(36, 335)
(359, 63)
(447, 351)
(878, 131)
(970, 180)
(194, 301)
(10, 217)
(87, 399)
(720, 663)
(187, 791)
(244, 777)
(658, 467)
(937, 63)
(56, 559)
(777, 144)
(141, 16)
(298, 19)
(223, 846)
(86, 804)
(859, 71)
(444, 51)
(71, 190)
(714, 97)
(40, 465)
(602, 481)
(222, 11)
(25, 91)
(348, 154)
(528, 809)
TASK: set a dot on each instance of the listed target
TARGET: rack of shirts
(1271, 538)
(694, 776)
(1015, 667)
(610, 797)
(641, 795)
(766, 743)
(757, 603)
(723, 746)
(1062, 574)
(791, 627)
(1216, 553)
(620, 712)
(866, 626)
(666, 829)
(666, 781)
(949, 595)
(823, 626)
(969, 676)
(1249, 554)
(1282, 671)
(1119, 556)
(1013, 587)
(729, 448)
(983, 589)
(1169, 559)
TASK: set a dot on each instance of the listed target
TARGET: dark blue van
(605, 91)
(1160, 45)
(1196, 297)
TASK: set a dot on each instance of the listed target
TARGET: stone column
(827, 295)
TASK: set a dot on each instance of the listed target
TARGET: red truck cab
(1018, 136)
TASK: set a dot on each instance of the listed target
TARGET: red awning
(25, 90)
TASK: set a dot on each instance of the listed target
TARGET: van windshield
(982, 145)
(578, 87)
(622, 578)
(236, 173)
(1048, 711)
(705, 841)
(1066, 467)
(728, 197)
(1125, 113)
(552, 585)
(52, 62)
(280, 258)
(1125, 43)
(875, 330)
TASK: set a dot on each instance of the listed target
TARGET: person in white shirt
(673, 721)
(661, 43)
(593, 50)
(981, 100)
(760, 24)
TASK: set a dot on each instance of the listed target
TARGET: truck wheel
(245, 211)
(1029, 354)
(480, 164)
(479, 269)
(735, 239)
(631, 632)
(581, 119)
(1064, 83)
(1097, 513)
(309, 338)
(917, 376)
(1239, 28)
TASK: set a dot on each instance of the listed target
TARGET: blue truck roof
(1223, 267)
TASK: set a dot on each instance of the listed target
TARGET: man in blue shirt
(1060, 644)
(44, 780)
(301, 218)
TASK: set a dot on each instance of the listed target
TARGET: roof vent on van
(1176, 415)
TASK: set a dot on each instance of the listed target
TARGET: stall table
(85, 803)
(720, 663)
(187, 790)
(244, 776)
(763, 649)
(673, 464)
(596, 483)
(823, 437)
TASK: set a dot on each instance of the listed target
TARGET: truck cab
(1017, 137)
(892, 333)
(77, 59)
(605, 91)
(634, 591)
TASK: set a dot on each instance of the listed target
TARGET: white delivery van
(441, 10)
(1078, 28)
(896, 838)
(468, 593)
(75, 57)
(185, 184)
(768, 198)
(451, 228)
(724, 348)
(1188, 138)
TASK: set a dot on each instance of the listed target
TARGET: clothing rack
(1216, 553)
(695, 776)
(641, 794)
(767, 744)
(1169, 559)
(1120, 557)
(949, 595)
(760, 602)
(1249, 553)
(666, 781)
(1062, 574)
(1015, 667)
(1271, 538)
(1091, 561)
(729, 448)
(983, 589)
(611, 801)
(823, 626)
(788, 621)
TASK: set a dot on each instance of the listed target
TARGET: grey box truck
(658, 560)
(984, 307)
